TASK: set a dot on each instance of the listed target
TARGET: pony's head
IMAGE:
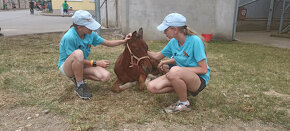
(138, 51)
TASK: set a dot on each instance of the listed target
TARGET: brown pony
(134, 63)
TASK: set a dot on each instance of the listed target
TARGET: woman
(187, 51)
(74, 49)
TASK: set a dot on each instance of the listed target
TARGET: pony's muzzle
(146, 69)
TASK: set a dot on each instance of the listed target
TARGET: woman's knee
(105, 76)
(151, 88)
(174, 73)
(78, 55)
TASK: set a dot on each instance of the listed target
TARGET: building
(263, 15)
(14, 4)
(20, 4)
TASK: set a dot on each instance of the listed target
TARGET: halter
(137, 58)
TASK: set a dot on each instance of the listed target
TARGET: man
(1, 33)
(64, 8)
(4, 6)
(31, 5)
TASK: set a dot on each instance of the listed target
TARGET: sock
(184, 102)
(79, 83)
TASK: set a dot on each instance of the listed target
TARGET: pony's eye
(137, 50)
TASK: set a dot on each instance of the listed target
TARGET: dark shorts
(65, 10)
(171, 65)
(201, 87)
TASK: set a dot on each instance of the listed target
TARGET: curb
(34, 34)
(51, 14)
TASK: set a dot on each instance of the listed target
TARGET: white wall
(204, 16)
(224, 19)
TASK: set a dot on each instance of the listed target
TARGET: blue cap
(84, 18)
(174, 20)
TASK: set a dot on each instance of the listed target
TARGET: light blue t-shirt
(71, 42)
(187, 55)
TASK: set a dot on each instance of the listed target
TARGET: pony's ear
(140, 33)
(134, 35)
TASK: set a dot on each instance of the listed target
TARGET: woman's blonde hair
(187, 31)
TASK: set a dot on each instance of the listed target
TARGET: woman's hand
(103, 63)
(149, 53)
(160, 65)
(128, 37)
(164, 65)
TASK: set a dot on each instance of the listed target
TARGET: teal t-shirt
(187, 55)
(71, 42)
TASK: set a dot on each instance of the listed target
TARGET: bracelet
(92, 63)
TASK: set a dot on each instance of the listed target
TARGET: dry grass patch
(240, 73)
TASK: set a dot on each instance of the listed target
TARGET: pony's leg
(149, 78)
(127, 85)
(115, 87)
(142, 79)
(118, 87)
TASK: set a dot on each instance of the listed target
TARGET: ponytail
(73, 25)
(188, 31)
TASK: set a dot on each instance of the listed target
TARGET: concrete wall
(259, 24)
(204, 16)
(108, 14)
(224, 19)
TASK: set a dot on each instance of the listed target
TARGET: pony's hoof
(116, 90)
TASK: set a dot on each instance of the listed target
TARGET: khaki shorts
(61, 70)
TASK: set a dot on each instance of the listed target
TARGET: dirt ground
(264, 38)
(18, 118)
(15, 117)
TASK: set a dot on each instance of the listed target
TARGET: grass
(240, 73)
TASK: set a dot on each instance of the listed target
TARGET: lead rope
(137, 58)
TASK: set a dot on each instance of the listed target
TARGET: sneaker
(177, 107)
(73, 79)
(82, 91)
